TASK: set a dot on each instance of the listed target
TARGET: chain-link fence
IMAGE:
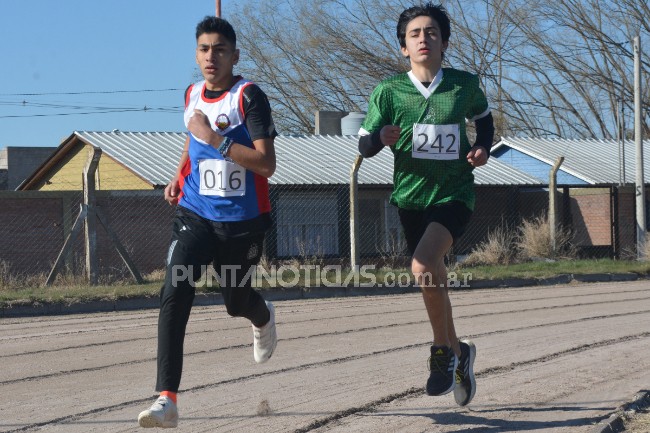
(312, 223)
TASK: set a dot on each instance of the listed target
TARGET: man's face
(424, 43)
(216, 57)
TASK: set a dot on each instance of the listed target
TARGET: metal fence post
(552, 205)
(91, 221)
(354, 213)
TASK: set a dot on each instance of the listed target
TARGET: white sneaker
(163, 413)
(265, 338)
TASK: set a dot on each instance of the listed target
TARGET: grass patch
(547, 269)
(78, 292)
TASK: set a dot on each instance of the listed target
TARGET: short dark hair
(212, 24)
(436, 12)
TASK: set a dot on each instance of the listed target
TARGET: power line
(28, 105)
(95, 92)
(145, 109)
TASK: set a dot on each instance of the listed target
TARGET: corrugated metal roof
(301, 159)
(326, 159)
(151, 155)
(595, 161)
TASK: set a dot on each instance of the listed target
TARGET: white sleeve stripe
(363, 132)
(480, 116)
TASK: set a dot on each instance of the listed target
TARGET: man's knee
(236, 309)
(427, 275)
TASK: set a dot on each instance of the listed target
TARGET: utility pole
(641, 229)
(620, 138)
(218, 8)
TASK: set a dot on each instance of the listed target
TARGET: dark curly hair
(212, 24)
(436, 12)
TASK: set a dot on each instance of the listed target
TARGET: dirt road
(549, 359)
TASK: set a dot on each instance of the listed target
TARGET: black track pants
(196, 246)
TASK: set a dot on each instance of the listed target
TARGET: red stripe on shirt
(262, 191)
(241, 100)
(185, 171)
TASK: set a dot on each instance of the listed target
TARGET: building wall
(31, 229)
(591, 216)
(67, 174)
(306, 223)
(534, 166)
(18, 163)
(627, 217)
(34, 224)
(501, 207)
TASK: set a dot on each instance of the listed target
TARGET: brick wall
(34, 224)
(591, 216)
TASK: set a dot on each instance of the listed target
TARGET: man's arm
(480, 152)
(172, 190)
(260, 159)
(371, 144)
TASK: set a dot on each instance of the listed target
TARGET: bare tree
(325, 55)
(549, 69)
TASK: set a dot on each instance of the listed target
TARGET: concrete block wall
(20, 162)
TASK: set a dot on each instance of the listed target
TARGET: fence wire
(312, 223)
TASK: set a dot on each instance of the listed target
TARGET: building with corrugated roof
(310, 192)
(596, 180)
(586, 161)
(148, 160)
(309, 189)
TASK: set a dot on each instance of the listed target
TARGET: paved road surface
(550, 359)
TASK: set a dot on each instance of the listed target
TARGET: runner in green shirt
(420, 116)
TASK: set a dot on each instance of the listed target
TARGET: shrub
(534, 241)
(498, 249)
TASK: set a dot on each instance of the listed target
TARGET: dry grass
(534, 241)
(13, 282)
(391, 254)
(638, 422)
(498, 249)
(155, 275)
(530, 241)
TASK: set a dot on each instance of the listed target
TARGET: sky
(92, 65)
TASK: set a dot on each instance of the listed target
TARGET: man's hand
(199, 126)
(477, 156)
(389, 135)
(171, 192)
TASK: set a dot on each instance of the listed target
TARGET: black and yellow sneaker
(442, 364)
(465, 381)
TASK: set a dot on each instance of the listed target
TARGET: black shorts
(453, 215)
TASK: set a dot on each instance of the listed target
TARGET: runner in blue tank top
(222, 198)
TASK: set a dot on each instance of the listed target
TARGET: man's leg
(429, 269)
(240, 298)
(188, 253)
(430, 272)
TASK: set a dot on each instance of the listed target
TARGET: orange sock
(171, 395)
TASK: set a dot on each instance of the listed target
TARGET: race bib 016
(441, 142)
(222, 178)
